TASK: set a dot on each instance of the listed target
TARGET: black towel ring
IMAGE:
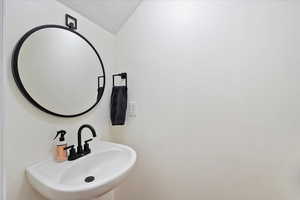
(122, 75)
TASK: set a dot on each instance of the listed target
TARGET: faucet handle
(69, 147)
(88, 140)
(72, 155)
(87, 148)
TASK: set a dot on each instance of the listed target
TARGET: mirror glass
(59, 70)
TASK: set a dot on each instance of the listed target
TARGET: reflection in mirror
(60, 71)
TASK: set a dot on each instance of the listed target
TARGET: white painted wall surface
(28, 131)
(217, 89)
(1, 96)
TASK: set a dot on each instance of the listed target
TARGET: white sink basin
(108, 163)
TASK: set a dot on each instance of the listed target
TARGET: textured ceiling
(109, 14)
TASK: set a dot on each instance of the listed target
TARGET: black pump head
(62, 134)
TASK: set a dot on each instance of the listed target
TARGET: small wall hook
(71, 22)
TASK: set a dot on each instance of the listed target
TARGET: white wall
(217, 90)
(28, 131)
(1, 95)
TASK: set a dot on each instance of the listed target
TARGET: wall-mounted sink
(85, 178)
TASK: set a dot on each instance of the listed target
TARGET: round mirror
(58, 70)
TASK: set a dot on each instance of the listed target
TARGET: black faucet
(73, 155)
(80, 151)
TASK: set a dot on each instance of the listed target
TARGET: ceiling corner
(109, 14)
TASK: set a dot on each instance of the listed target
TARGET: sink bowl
(85, 178)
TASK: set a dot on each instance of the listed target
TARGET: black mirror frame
(15, 70)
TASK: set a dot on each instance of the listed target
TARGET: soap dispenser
(60, 152)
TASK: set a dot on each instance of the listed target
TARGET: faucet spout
(79, 147)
